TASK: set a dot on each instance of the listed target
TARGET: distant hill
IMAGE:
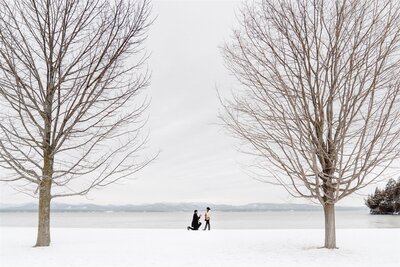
(167, 207)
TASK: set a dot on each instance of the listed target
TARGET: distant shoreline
(145, 211)
(173, 207)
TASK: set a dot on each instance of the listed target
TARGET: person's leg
(197, 227)
(208, 224)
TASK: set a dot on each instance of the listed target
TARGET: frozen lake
(220, 220)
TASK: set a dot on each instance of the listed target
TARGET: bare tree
(318, 105)
(70, 77)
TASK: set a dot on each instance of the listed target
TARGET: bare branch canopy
(318, 104)
(71, 74)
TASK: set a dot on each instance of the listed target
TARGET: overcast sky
(198, 160)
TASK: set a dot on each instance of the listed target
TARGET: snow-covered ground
(149, 247)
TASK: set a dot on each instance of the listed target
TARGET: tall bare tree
(70, 77)
(318, 104)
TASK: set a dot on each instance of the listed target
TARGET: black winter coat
(195, 221)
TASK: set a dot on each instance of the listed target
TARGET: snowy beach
(171, 247)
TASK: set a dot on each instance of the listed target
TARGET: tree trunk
(43, 236)
(330, 228)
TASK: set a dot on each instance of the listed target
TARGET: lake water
(220, 220)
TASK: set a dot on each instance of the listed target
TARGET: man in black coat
(195, 222)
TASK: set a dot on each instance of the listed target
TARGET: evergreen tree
(385, 201)
(397, 197)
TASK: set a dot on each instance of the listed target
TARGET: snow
(162, 247)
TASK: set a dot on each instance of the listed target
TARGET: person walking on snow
(207, 217)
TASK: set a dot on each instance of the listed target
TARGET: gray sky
(198, 159)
